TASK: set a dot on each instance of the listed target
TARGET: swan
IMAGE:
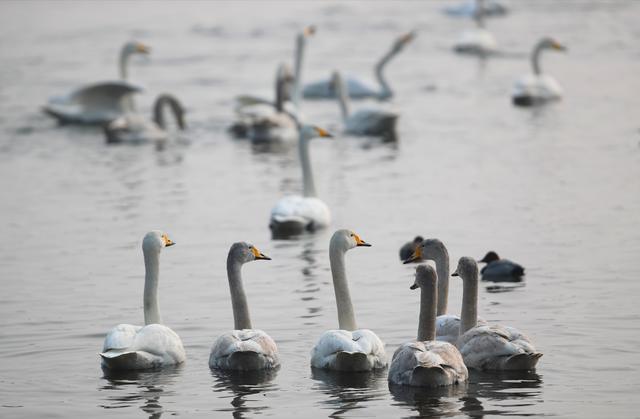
(427, 362)
(447, 325)
(244, 348)
(538, 88)
(407, 249)
(128, 347)
(357, 89)
(487, 347)
(294, 214)
(499, 269)
(370, 122)
(349, 348)
(471, 7)
(98, 103)
(134, 128)
(477, 41)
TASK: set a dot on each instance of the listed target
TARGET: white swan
(135, 128)
(477, 41)
(244, 348)
(350, 348)
(492, 347)
(367, 121)
(447, 325)
(538, 88)
(98, 103)
(499, 269)
(295, 214)
(427, 362)
(357, 89)
(128, 347)
(471, 7)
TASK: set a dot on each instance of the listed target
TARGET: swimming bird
(349, 348)
(427, 362)
(447, 325)
(471, 7)
(477, 41)
(499, 269)
(365, 121)
(99, 103)
(357, 89)
(244, 348)
(407, 249)
(135, 128)
(128, 347)
(493, 347)
(538, 88)
(294, 214)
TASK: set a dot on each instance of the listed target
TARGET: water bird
(128, 347)
(349, 348)
(538, 88)
(497, 269)
(471, 7)
(407, 249)
(477, 41)
(427, 362)
(244, 348)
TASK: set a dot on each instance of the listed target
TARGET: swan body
(128, 347)
(295, 214)
(489, 347)
(500, 269)
(478, 41)
(349, 348)
(538, 88)
(427, 362)
(244, 348)
(407, 249)
(355, 88)
(471, 7)
(98, 103)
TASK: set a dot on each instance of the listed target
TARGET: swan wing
(310, 211)
(120, 337)
(447, 328)
(133, 128)
(541, 87)
(431, 364)
(371, 122)
(360, 350)
(356, 89)
(246, 349)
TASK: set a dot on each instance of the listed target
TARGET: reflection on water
(243, 385)
(349, 390)
(430, 402)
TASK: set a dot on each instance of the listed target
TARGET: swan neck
(346, 316)
(343, 98)
(297, 81)
(535, 59)
(160, 104)
(385, 90)
(479, 13)
(124, 58)
(441, 257)
(427, 322)
(469, 317)
(280, 93)
(308, 186)
(150, 301)
(241, 319)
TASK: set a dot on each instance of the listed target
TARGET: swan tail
(524, 361)
(525, 100)
(431, 377)
(129, 360)
(287, 226)
(243, 361)
(352, 361)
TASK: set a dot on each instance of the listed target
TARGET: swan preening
(427, 362)
(366, 121)
(497, 269)
(357, 89)
(295, 214)
(407, 249)
(493, 347)
(134, 128)
(128, 347)
(538, 88)
(244, 348)
(477, 41)
(349, 348)
(99, 103)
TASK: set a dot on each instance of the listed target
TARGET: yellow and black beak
(558, 46)
(167, 241)
(360, 242)
(323, 133)
(309, 30)
(416, 256)
(259, 255)
(142, 48)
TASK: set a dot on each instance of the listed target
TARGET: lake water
(556, 189)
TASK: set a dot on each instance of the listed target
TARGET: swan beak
(167, 241)
(324, 133)
(259, 255)
(414, 286)
(416, 256)
(559, 46)
(408, 37)
(360, 242)
(142, 48)
(455, 273)
(309, 30)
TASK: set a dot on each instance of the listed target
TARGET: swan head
(427, 249)
(346, 239)
(155, 240)
(307, 132)
(489, 257)
(550, 43)
(244, 252)
(308, 31)
(135, 47)
(467, 269)
(426, 276)
(403, 40)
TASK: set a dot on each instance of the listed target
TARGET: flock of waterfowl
(446, 344)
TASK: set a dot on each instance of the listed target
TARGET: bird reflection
(430, 402)
(494, 289)
(242, 385)
(140, 386)
(309, 285)
(349, 390)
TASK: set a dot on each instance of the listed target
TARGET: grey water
(556, 189)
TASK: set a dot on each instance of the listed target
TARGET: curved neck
(535, 59)
(124, 58)
(342, 97)
(469, 317)
(385, 90)
(346, 317)
(441, 257)
(150, 301)
(427, 323)
(308, 186)
(176, 109)
(297, 81)
(241, 319)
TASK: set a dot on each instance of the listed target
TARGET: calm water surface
(556, 189)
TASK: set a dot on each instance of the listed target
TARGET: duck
(295, 214)
(244, 348)
(347, 348)
(102, 102)
(134, 128)
(427, 362)
(489, 347)
(478, 41)
(357, 89)
(538, 88)
(497, 269)
(154, 345)
(447, 325)
(407, 249)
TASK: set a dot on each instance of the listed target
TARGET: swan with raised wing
(349, 348)
(538, 88)
(128, 347)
